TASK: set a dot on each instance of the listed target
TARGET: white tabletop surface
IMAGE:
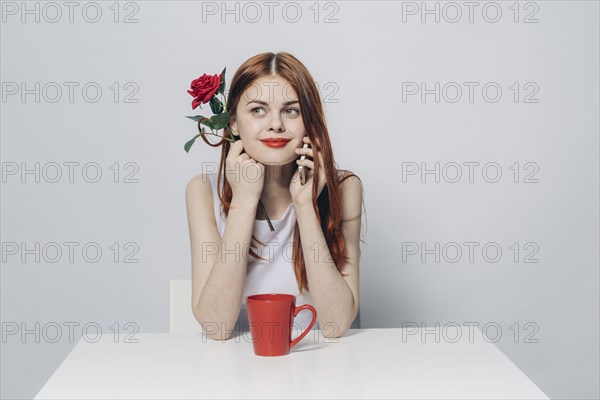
(365, 363)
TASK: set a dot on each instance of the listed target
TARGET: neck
(276, 195)
(277, 182)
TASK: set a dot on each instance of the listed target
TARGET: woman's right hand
(245, 175)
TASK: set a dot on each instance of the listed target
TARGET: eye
(256, 108)
(294, 111)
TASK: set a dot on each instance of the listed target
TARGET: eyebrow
(264, 103)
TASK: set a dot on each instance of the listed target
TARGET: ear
(233, 127)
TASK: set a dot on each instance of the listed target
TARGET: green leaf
(196, 117)
(202, 120)
(189, 143)
(222, 86)
(220, 121)
(215, 105)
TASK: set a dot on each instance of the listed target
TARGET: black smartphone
(302, 170)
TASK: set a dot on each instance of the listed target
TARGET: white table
(365, 363)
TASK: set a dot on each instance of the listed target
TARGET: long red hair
(328, 205)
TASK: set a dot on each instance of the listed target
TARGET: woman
(275, 108)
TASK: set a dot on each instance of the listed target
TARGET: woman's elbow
(211, 329)
(334, 330)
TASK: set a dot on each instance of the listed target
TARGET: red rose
(204, 88)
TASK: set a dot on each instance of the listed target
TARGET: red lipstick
(275, 142)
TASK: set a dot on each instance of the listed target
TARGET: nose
(277, 124)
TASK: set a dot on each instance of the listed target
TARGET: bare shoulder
(352, 194)
(350, 182)
(198, 185)
(198, 194)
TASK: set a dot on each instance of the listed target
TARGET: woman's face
(269, 108)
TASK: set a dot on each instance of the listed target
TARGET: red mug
(271, 317)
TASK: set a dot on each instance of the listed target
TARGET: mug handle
(314, 318)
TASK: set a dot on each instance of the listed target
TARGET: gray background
(359, 62)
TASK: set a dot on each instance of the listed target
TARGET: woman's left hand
(302, 194)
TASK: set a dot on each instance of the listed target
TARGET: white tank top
(274, 274)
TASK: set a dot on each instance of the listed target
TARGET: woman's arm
(218, 265)
(335, 297)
